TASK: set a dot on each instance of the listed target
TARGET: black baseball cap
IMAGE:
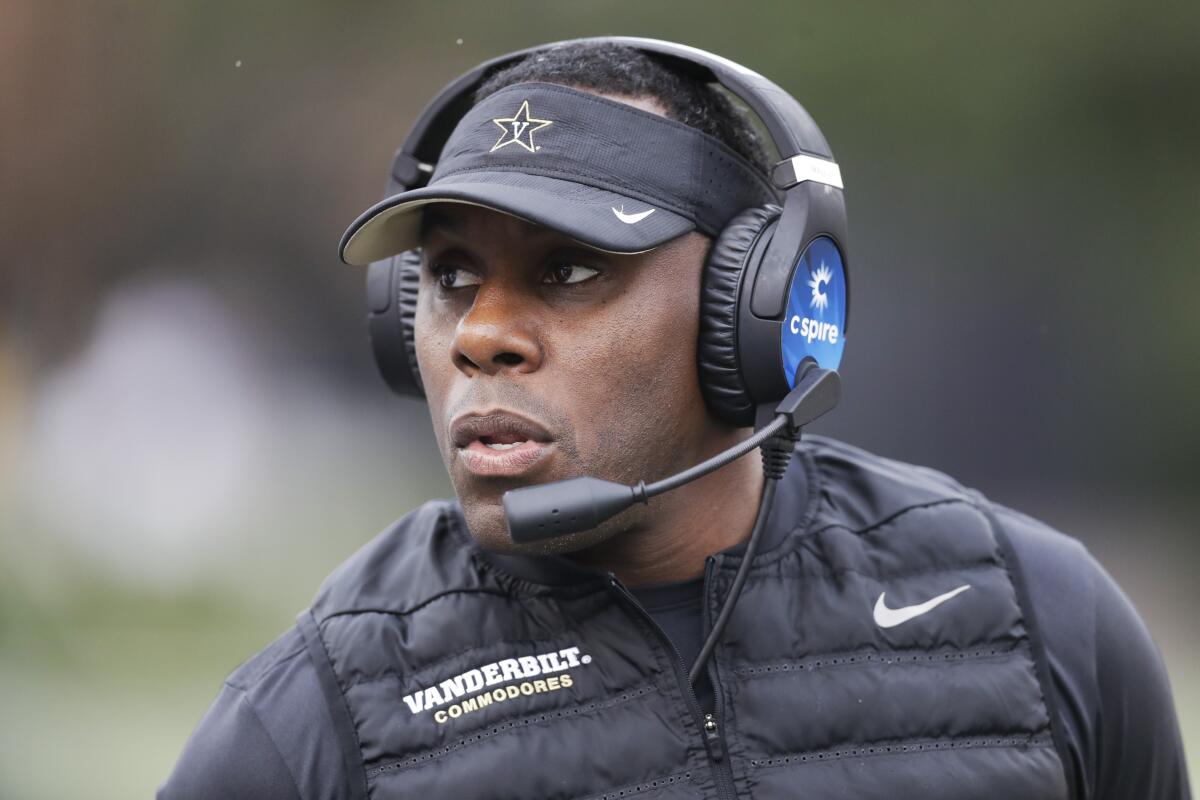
(609, 175)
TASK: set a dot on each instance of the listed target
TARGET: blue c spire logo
(815, 321)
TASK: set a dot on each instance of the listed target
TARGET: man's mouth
(499, 443)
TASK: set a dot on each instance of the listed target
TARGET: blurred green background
(192, 434)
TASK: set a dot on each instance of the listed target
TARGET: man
(897, 634)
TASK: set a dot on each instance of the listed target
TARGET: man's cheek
(437, 371)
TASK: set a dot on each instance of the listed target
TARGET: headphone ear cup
(408, 282)
(392, 288)
(719, 368)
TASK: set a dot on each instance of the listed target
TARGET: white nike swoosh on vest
(890, 617)
(630, 219)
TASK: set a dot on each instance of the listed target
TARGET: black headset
(754, 325)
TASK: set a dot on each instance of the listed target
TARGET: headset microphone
(556, 509)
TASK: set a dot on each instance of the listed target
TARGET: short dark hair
(618, 69)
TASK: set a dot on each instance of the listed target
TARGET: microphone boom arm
(556, 509)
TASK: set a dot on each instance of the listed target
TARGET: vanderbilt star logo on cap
(612, 176)
(518, 129)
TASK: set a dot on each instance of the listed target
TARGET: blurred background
(192, 434)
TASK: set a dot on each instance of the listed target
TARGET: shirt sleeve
(269, 734)
(1140, 748)
(230, 755)
(1109, 688)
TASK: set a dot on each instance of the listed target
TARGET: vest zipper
(714, 743)
(726, 771)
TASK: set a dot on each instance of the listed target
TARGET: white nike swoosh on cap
(630, 219)
(891, 617)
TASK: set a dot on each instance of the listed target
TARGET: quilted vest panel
(457, 679)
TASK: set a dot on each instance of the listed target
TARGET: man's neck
(686, 525)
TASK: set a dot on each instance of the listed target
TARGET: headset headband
(792, 129)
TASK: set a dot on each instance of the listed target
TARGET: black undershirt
(678, 610)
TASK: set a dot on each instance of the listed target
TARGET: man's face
(543, 359)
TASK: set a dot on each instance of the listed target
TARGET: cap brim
(596, 217)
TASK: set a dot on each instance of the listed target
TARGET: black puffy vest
(450, 675)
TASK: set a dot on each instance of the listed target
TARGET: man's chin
(488, 528)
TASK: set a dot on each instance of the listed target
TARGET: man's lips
(499, 443)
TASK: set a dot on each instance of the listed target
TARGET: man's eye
(456, 278)
(569, 273)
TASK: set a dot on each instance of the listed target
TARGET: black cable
(771, 438)
(776, 455)
(760, 524)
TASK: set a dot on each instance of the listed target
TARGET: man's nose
(497, 333)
